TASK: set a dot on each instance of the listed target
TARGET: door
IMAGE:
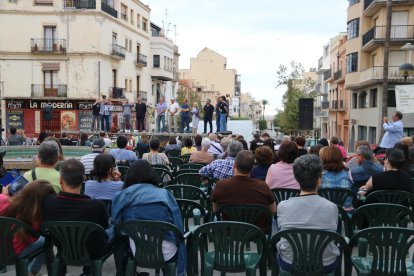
(399, 24)
(50, 78)
(138, 86)
(49, 38)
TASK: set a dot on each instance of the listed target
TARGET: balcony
(58, 91)
(327, 75)
(375, 74)
(325, 105)
(141, 60)
(371, 7)
(337, 106)
(108, 9)
(143, 95)
(117, 51)
(321, 113)
(338, 75)
(117, 93)
(48, 45)
(375, 37)
(79, 4)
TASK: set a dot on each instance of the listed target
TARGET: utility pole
(384, 108)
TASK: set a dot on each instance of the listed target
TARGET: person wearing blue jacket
(141, 199)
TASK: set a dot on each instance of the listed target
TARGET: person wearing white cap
(172, 110)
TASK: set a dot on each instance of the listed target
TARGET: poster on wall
(68, 121)
(404, 97)
(85, 121)
(15, 118)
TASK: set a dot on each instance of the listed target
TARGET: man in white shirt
(215, 147)
(172, 110)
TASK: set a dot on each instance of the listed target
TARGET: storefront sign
(85, 121)
(40, 104)
(15, 118)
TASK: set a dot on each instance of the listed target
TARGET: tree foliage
(297, 87)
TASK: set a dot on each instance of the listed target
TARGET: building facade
(208, 70)
(250, 108)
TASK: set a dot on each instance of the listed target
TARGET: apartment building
(364, 64)
(67, 53)
(208, 70)
(250, 108)
(338, 97)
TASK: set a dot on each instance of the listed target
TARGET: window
(126, 85)
(49, 37)
(114, 38)
(43, 2)
(128, 45)
(354, 100)
(132, 17)
(373, 93)
(138, 21)
(362, 100)
(353, 2)
(352, 63)
(49, 79)
(391, 98)
(372, 135)
(130, 85)
(124, 12)
(156, 62)
(408, 131)
(362, 133)
(145, 24)
(353, 28)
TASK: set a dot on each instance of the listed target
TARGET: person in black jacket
(208, 115)
(140, 111)
(96, 118)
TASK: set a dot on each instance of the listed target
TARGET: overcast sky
(255, 36)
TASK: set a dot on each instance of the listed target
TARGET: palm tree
(264, 103)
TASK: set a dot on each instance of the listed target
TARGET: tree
(264, 103)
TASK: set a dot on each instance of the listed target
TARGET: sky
(255, 36)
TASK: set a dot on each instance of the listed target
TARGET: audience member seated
(42, 136)
(141, 199)
(407, 140)
(300, 142)
(244, 143)
(324, 142)
(188, 146)
(408, 165)
(107, 182)
(98, 147)
(70, 205)
(335, 142)
(84, 141)
(393, 178)
(172, 145)
(65, 141)
(154, 157)
(27, 206)
(264, 157)
(242, 189)
(315, 149)
(48, 155)
(104, 136)
(256, 142)
(36, 161)
(368, 166)
(203, 156)
(197, 141)
(142, 145)
(280, 175)
(224, 143)
(223, 168)
(121, 154)
(352, 161)
(16, 139)
(307, 211)
(215, 146)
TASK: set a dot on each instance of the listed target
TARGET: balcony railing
(341, 104)
(40, 90)
(108, 9)
(376, 74)
(141, 60)
(327, 75)
(118, 51)
(398, 33)
(367, 3)
(338, 75)
(48, 45)
(79, 4)
(117, 92)
(325, 105)
(143, 95)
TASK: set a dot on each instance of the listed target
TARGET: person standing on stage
(161, 108)
(393, 132)
(105, 113)
(208, 115)
(126, 114)
(173, 109)
(217, 115)
(185, 116)
(140, 111)
(96, 118)
(224, 110)
(196, 117)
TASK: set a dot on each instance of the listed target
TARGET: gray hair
(307, 170)
(365, 152)
(278, 141)
(285, 138)
(205, 143)
(48, 153)
(224, 143)
(233, 148)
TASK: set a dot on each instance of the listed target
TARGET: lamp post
(407, 69)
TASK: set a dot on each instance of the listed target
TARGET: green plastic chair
(229, 241)
(308, 246)
(284, 194)
(345, 219)
(192, 166)
(193, 179)
(173, 153)
(166, 177)
(8, 229)
(123, 170)
(391, 253)
(71, 238)
(393, 197)
(337, 195)
(148, 236)
(181, 171)
(175, 163)
(185, 158)
(189, 192)
(161, 149)
(191, 210)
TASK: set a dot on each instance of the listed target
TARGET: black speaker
(306, 113)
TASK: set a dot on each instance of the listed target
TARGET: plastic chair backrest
(192, 166)
(389, 247)
(284, 194)
(185, 158)
(193, 179)
(230, 240)
(247, 213)
(337, 195)
(187, 192)
(71, 239)
(8, 229)
(148, 237)
(308, 246)
(393, 197)
(173, 153)
(166, 177)
(181, 171)
(190, 209)
(175, 163)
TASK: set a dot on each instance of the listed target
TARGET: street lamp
(407, 69)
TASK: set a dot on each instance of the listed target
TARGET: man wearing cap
(185, 116)
(173, 109)
(208, 115)
(98, 147)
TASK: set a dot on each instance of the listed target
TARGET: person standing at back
(105, 113)
(208, 115)
(173, 110)
(126, 114)
(224, 111)
(185, 116)
(393, 132)
(161, 108)
(216, 108)
(96, 118)
(140, 111)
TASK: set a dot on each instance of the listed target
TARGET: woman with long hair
(27, 206)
